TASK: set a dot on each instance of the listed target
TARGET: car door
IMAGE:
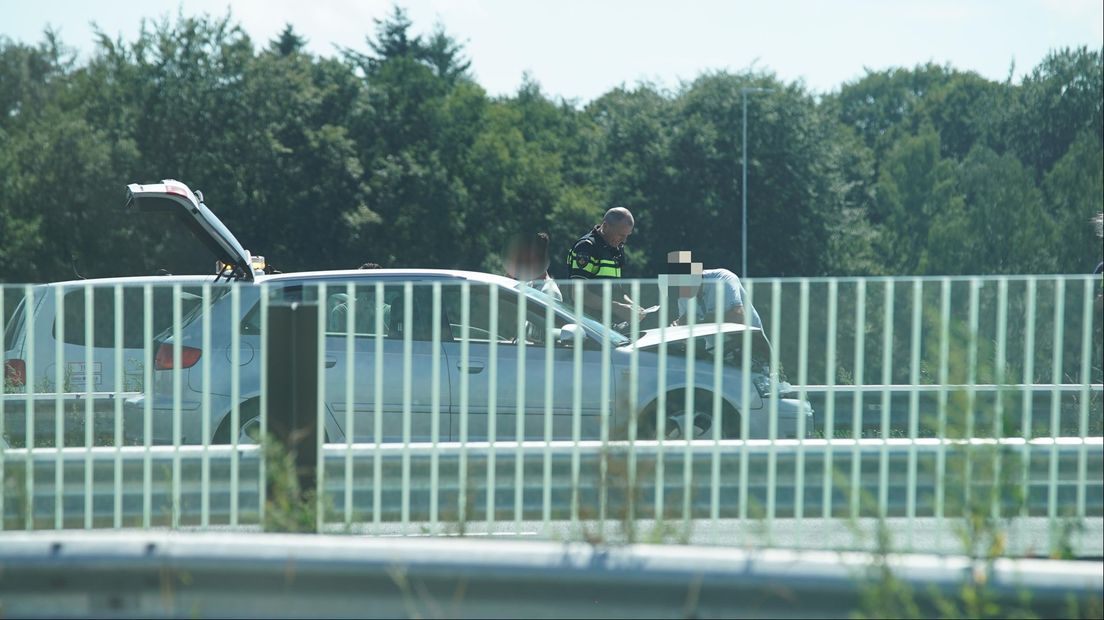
(397, 397)
(505, 336)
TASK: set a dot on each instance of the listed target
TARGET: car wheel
(679, 425)
(250, 432)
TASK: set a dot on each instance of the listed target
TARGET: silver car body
(37, 333)
(453, 369)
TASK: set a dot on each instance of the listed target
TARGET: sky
(580, 49)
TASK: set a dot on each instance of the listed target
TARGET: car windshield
(588, 322)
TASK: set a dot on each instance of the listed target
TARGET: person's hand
(625, 311)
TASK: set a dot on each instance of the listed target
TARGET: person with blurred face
(702, 286)
(527, 261)
(600, 255)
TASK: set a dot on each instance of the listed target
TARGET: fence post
(291, 345)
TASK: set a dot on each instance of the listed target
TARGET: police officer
(600, 255)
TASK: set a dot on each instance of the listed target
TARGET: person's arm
(735, 315)
(592, 304)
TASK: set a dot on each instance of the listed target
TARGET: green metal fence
(459, 406)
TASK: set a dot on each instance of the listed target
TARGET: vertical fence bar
(745, 410)
(887, 380)
(377, 413)
(408, 387)
(576, 407)
(914, 408)
(262, 472)
(3, 406)
(689, 425)
(205, 406)
(319, 410)
(1086, 379)
(941, 413)
(549, 369)
(1027, 424)
(147, 404)
(520, 403)
(830, 398)
(435, 407)
(492, 401)
(89, 387)
(661, 415)
(350, 376)
(120, 371)
(718, 412)
(604, 409)
(802, 380)
(1055, 408)
(235, 400)
(772, 426)
(999, 376)
(177, 397)
(465, 362)
(634, 404)
(971, 382)
(857, 401)
(3, 413)
(60, 387)
(29, 411)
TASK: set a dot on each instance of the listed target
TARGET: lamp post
(743, 185)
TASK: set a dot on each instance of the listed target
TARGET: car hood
(705, 337)
(652, 337)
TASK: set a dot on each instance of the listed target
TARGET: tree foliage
(394, 154)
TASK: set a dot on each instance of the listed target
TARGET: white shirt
(547, 286)
(732, 292)
(550, 288)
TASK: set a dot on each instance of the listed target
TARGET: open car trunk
(176, 199)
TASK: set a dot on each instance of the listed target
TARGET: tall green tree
(916, 187)
(995, 225)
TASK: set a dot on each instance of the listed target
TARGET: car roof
(412, 274)
(182, 279)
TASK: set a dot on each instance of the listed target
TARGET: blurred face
(524, 263)
(512, 262)
(616, 234)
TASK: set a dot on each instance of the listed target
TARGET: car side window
(506, 310)
(363, 306)
(251, 324)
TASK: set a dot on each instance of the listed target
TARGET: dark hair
(539, 247)
(370, 266)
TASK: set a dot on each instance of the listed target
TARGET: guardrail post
(291, 343)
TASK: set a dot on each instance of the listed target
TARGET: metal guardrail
(802, 493)
(151, 574)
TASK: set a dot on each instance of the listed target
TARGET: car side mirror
(566, 335)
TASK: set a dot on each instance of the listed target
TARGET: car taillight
(15, 372)
(164, 358)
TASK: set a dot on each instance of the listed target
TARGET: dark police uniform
(592, 258)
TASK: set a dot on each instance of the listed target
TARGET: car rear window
(103, 314)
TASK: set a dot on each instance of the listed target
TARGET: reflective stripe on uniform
(592, 267)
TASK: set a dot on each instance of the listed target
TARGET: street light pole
(743, 183)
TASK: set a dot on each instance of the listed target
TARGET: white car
(407, 320)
